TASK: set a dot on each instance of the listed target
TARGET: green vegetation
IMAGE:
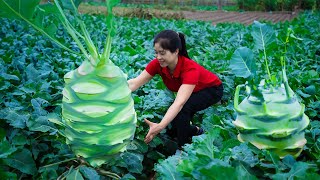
(270, 117)
(33, 71)
(278, 5)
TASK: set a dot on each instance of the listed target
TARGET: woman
(196, 87)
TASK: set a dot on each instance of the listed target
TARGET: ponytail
(183, 50)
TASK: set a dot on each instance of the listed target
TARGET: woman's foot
(199, 131)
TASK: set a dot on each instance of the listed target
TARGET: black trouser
(181, 127)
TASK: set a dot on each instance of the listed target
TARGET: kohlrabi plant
(270, 117)
(98, 115)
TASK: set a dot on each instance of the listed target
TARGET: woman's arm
(183, 95)
(137, 82)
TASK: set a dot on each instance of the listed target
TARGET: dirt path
(245, 17)
(212, 16)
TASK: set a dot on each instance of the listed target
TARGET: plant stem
(266, 62)
(265, 108)
(107, 50)
(110, 174)
(285, 79)
(67, 160)
(90, 45)
(283, 64)
(73, 33)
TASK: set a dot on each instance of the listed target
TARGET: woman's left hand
(154, 129)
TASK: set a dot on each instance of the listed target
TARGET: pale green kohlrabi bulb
(278, 127)
(98, 112)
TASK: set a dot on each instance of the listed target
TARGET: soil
(212, 16)
(239, 17)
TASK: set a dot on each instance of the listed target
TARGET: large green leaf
(215, 170)
(263, 35)
(74, 174)
(167, 168)
(18, 8)
(242, 63)
(206, 148)
(89, 173)
(22, 161)
(298, 171)
(6, 149)
(133, 161)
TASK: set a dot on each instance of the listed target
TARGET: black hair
(172, 40)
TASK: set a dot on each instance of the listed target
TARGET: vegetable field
(33, 68)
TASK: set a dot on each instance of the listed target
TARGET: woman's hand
(154, 129)
(137, 82)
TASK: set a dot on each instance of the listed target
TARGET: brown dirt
(212, 16)
(239, 17)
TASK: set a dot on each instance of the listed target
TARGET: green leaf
(16, 119)
(167, 168)
(304, 95)
(133, 161)
(243, 173)
(298, 171)
(15, 8)
(40, 124)
(311, 90)
(10, 77)
(243, 153)
(263, 35)
(227, 144)
(206, 147)
(6, 149)
(217, 171)
(128, 177)
(19, 140)
(89, 173)
(74, 175)
(242, 63)
(37, 105)
(138, 145)
(46, 10)
(23, 161)
(7, 175)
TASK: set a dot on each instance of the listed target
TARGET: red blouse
(187, 71)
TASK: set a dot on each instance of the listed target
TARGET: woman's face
(165, 57)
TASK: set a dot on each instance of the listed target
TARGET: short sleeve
(152, 67)
(190, 77)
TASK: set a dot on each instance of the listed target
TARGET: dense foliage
(277, 5)
(31, 82)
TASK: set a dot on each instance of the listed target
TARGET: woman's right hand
(137, 82)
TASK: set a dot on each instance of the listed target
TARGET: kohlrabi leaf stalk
(71, 30)
(90, 45)
(283, 63)
(111, 31)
